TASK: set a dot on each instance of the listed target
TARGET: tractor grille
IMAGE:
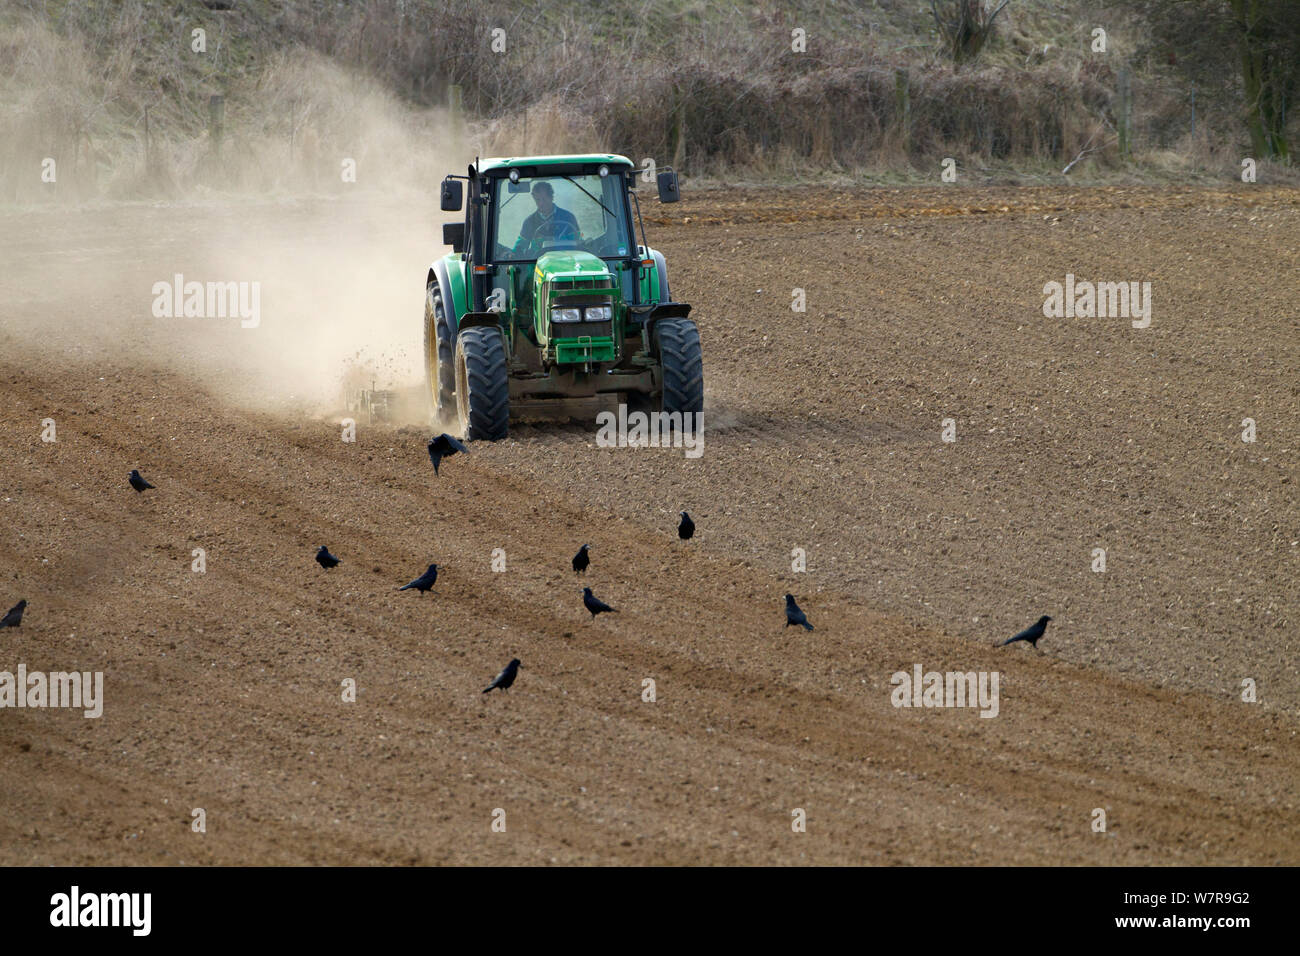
(571, 285)
(572, 330)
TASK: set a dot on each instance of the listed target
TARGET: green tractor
(547, 304)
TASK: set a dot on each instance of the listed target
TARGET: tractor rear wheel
(440, 373)
(678, 344)
(482, 384)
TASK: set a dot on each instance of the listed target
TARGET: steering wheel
(562, 231)
(555, 231)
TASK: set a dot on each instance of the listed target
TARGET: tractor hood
(581, 285)
(570, 263)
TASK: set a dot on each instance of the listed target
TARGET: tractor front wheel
(678, 344)
(482, 386)
(440, 375)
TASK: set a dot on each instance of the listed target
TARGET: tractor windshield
(538, 214)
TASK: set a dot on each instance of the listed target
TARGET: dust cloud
(326, 222)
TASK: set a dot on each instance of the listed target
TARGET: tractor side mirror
(452, 195)
(668, 191)
(453, 234)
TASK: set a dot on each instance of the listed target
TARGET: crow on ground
(594, 604)
(795, 616)
(444, 446)
(424, 582)
(1033, 633)
(581, 560)
(15, 615)
(325, 559)
(138, 483)
(687, 527)
(506, 677)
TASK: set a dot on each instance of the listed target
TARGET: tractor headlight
(599, 313)
(566, 315)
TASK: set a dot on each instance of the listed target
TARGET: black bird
(687, 528)
(594, 604)
(15, 615)
(138, 483)
(1033, 633)
(325, 559)
(506, 677)
(581, 560)
(795, 616)
(424, 582)
(444, 446)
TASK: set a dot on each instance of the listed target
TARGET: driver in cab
(548, 222)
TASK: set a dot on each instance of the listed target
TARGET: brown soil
(822, 432)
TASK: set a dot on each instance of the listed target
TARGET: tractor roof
(487, 165)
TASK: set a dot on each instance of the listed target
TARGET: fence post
(903, 97)
(455, 116)
(216, 120)
(679, 137)
(1125, 113)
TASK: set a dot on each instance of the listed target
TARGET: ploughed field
(823, 431)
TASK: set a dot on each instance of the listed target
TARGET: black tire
(482, 384)
(677, 341)
(439, 370)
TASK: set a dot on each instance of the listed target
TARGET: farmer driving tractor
(549, 222)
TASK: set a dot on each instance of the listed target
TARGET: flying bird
(595, 605)
(325, 559)
(138, 483)
(15, 615)
(581, 560)
(1033, 633)
(506, 677)
(444, 446)
(793, 615)
(687, 528)
(424, 582)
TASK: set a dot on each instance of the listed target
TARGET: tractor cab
(541, 213)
